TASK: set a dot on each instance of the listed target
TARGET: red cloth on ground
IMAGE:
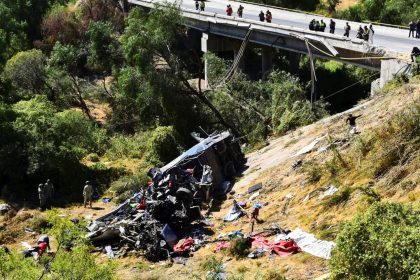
(221, 245)
(281, 248)
(184, 244)
(142, 205)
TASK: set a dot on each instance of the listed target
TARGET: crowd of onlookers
(365, 33)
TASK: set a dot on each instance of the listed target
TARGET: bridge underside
(290, 41)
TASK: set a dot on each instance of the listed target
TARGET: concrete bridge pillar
(204, 49)
(389, 69)
(267, 61)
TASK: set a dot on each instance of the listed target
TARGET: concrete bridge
(222, 32)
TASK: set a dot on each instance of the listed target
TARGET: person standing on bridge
(202, 5)
(332, 26)
(359, 34)
(371, 32)
(365, 33)
(197, 5)
(322, 26)
(418, 29)
(240, 11)
(229, 10)
(312, 25)
(262, 16)
(268, 16)
(347, 29)
(412, 28)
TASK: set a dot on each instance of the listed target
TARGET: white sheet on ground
(308, 243)
(331, 190)
(308, 148)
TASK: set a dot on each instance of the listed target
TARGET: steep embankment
(380, 163)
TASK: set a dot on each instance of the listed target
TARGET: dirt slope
(272, 166)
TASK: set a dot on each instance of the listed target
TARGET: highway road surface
(394, 39)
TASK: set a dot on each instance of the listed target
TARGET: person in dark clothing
(365, 33)
(418, 29)
(412, 28)
(268, 16)
(359, 34)
(317, 26)
(415, 54)
(322, 26)
(351, 120)
(347, 29)
(262, 16)
(332, 26)
(312, 25)
(197, 5)
(240, 11)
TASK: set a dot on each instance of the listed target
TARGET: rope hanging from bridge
(236, 61)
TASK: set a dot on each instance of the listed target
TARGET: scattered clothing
(234, 213)
(257, 253)
(282, 247)
(308, 243)
(254, 195)
(184, 244)
(221, 245)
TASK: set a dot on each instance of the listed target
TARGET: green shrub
(273, 275)
(240, 247)
(380, 243)
(313, 171)
(163, 145)
(339, 197)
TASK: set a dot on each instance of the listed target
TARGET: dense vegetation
(386, 11)
(380, 243)
(74, 262)
(84, 57)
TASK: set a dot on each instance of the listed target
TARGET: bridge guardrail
(262, 26)
(318, 15)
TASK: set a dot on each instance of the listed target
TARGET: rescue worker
(44, 239)
(347, 29)
(268, 16)
(351, 120)
(49, 191)
(41, 195)
(87, 194)
(197, 5)
(371, 32)
(240, 11)
(229, 10)
(262, 16)
(202, 5)
(332, 26)
(322, 26)
(412, 28)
